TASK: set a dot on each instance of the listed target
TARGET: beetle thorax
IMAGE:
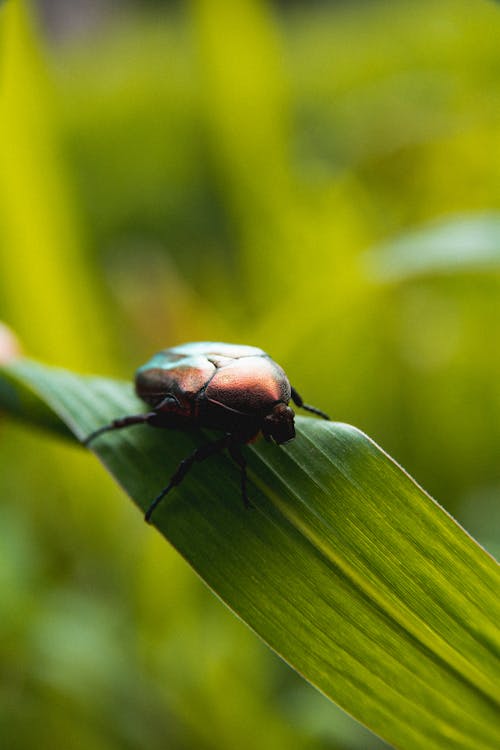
(279, 424)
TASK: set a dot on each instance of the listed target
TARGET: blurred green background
(250, 172)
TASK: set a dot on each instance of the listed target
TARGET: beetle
(234, 388)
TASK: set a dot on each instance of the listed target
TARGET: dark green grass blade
(345, 567)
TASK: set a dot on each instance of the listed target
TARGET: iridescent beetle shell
(221, 386)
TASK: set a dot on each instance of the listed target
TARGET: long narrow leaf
(344, 566)
(456, 244)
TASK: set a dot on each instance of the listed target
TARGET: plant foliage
(345, 566)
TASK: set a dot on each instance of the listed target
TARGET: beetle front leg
(237, 456)
(299, 402)
(200, 454)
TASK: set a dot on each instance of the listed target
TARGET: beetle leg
(299, 402)
(200, 454)
(118, 424)
(237, 455)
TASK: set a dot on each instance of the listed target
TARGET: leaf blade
(456, 244)
(345, 567)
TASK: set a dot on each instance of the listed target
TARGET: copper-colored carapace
(234, 388)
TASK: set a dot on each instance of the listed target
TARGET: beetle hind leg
(297, 400)
(118, 424)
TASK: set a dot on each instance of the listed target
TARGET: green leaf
(458, 244)
(344, 566)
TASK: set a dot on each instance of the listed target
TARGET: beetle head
(279, 424)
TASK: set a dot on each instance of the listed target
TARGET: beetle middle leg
(200, 454)
(297, 400)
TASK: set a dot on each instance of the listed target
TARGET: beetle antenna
(300, 403)
(313, 410)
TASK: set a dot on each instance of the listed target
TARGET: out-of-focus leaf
(460, 244)
(44, 278)
(344, 566)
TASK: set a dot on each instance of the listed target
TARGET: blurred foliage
(219, 170)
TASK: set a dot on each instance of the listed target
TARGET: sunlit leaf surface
(345, 567)
(460, 243)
